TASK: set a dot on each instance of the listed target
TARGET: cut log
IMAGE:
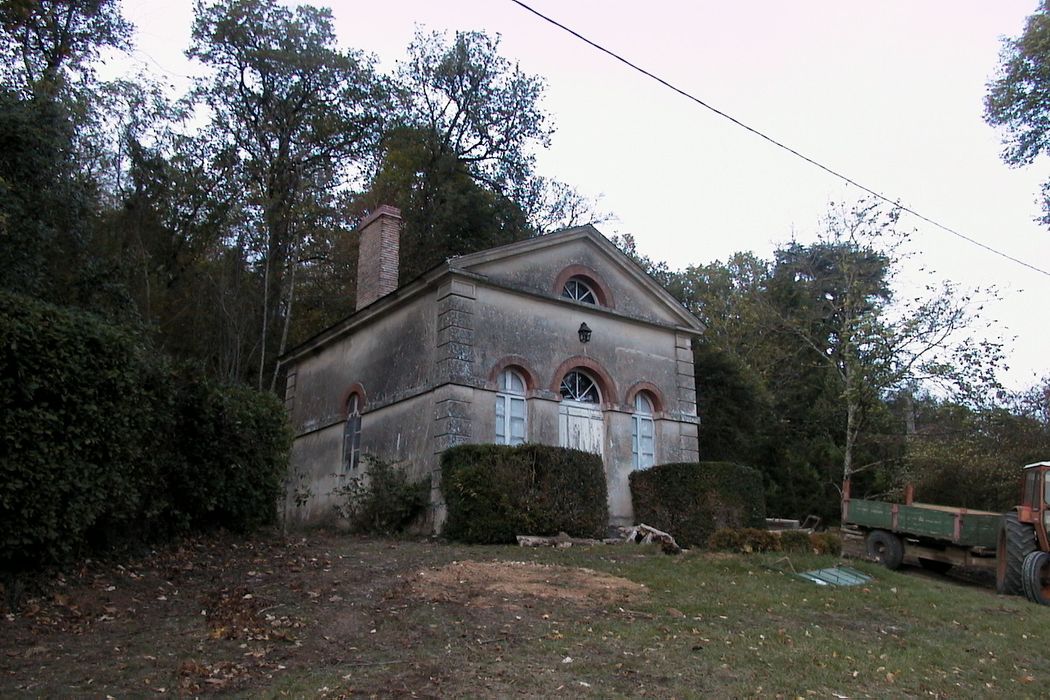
(559, 540)
(646, 534)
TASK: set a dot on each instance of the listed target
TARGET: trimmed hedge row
(495, 492)
(691, 500)
(102, 442)
(747, 540)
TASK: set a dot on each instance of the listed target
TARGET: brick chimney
(377, 257)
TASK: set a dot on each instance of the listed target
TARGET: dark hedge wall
(693, 499)
(495, 492)
(101, 441)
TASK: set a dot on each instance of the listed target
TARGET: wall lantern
(585, 333)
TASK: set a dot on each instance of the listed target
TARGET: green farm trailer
(939, 537)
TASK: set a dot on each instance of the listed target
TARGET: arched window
(643, 447)
(578, 386)
(577, 289)
(510, 409)
(352, 433)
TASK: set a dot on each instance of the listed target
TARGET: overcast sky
(889, 93)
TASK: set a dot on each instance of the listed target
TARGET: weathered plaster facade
(425, 362)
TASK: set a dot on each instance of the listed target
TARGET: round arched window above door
(578, 386)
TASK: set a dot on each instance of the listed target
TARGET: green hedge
(101, 441)
(230, 458)
(73, 436)
(691, 500)
(495, 492)
(747, 540)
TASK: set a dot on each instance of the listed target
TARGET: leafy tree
(298, 113)
(551, 205)
(48, 196)
(971, 457)
(762, 400)
(459, 162)
(1018, 99)
(802, 352)
(45, 41)
(735, 404)
(180, 232)
(841, 310)
(446, 212)
(475, 106)
(845, 320)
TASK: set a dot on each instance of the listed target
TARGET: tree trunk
(287, 320)
(852, 428)
(265, 322)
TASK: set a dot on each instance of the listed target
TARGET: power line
(773, 141)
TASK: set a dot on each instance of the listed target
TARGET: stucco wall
(543, 333)
(539, 336)
(538, 271)
(391, 358)
(391, 362)
(428, 364)
(393, 433)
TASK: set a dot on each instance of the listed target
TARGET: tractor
(1023, 549)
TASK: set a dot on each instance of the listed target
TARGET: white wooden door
(580, 426)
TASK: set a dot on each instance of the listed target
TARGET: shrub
(228, 467)
(826, 543)
(795, 541)
(495, 492)
(745, 540)
(102, 442)
(74, 433)
(385, 502)
(692, 500)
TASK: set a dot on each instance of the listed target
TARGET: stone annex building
(560, 340)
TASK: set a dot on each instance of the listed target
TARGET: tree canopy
(808, 357)
(45, 41)
(1018, 99)
(296, 113)
(475, 106)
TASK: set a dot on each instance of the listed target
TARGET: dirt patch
(503, 584)
(316, 615)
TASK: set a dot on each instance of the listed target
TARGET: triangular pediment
(540, 265)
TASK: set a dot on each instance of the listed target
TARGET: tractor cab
(1035, 501)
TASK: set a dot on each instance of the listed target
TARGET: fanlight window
(352, 433)
(510, 409)
(577, 289)
(643, 448)
(577, 386)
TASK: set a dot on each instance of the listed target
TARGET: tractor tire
(935, 565)
(1016, 541)
(885, 548)
(1035, 577)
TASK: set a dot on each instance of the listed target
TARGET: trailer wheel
(1016, 541)
(885, 548)
(1035, 577)
(935, 565)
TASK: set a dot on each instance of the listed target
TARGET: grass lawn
(336, 616)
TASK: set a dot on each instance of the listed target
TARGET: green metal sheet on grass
(837, 576)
